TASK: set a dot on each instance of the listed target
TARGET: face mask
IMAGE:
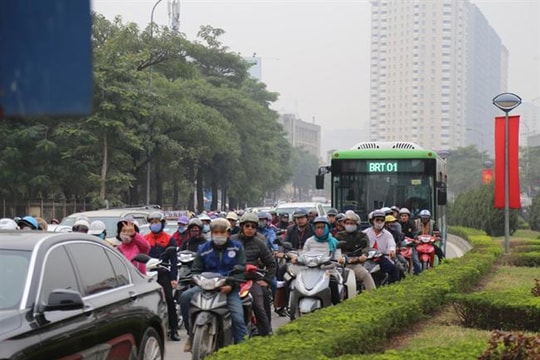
(378, 225)
(219, 239)
(126, 239)
(262, 224)
(181, 229)
(206, 228)
(319, 232)
(155, 228)
(101, 236)
(350, 228)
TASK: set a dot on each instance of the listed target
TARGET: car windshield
(109, 221)
(13, 271)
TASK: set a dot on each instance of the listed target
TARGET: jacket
(355, 241)
(138, 245)
(158, 243)
(211, 258)
(298, 237)
(192, 244)
(258, 254)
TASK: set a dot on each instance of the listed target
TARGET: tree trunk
(214, 203)
(159, 182)
(200, 191)
(104, 165)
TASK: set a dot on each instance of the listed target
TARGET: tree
(464, 169)
(304, 165)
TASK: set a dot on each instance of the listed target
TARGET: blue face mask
(182, 229)
(206, 228)
(155, 228)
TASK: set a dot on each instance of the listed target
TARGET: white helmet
(97, 227)
(425, 213)
(404, 211)
(8, 224)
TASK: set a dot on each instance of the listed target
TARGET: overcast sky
(316, 53)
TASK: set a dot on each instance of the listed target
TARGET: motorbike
(209, 314)
(405, 251)
(185, 261)
(426, 251)
(252, 274)
(310, 286)
(372, 265)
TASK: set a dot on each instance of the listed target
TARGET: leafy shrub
(475, 209)
(509, 310)
(534, 214)
(536, 289)
(504, 345)
(530, 259)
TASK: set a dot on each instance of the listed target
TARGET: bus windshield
(363, 185)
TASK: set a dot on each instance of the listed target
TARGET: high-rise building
(302, 134)
(435, 68)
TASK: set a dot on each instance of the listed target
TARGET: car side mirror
(64, 299)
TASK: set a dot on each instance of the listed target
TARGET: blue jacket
(219, 260)
(270, 236)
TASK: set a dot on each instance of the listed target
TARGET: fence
(45, 209)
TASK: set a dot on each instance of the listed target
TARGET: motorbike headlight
(208, 283)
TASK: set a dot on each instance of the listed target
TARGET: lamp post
(148, 165)
(506, 102)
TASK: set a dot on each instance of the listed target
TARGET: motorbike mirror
(142, 258)
(239, 269)
(287, 245)
(169, 251)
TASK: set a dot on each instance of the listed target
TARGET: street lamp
(148, 165)
(506, 102)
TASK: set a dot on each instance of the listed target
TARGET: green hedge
(361, 324)
(530, 259)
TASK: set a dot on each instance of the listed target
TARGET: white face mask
(219, 239)
(126, 239)
(350, 228)
(378, 225)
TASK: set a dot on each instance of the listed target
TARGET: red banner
(513, 162)
(487, 176)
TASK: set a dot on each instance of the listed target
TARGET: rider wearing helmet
(159, 240)
(264, 227)
(206, 219)
(331, 215)
(195, 238)
(258, 254)
(98, 228)
(284, 222)
(220, 255)
(181, 234)
(8, 224)
(427, 226)
(233, 219)
(382, 239)
(298, 233)
(408, 227)
(28, 223)
(355, 249)
(324, 243)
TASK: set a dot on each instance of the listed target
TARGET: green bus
(373, 175)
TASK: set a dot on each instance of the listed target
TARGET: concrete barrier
(462, 244)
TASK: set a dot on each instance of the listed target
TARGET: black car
(72, 296)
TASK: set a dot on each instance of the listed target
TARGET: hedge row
(361, 324)
(514, 309)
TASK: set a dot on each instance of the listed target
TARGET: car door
(62, 333)
(106, 285)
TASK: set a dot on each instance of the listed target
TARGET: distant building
(435, 68)
(302, 134)
(529, 124)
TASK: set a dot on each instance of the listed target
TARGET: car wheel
(151, 346)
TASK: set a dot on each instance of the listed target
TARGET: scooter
(252, 274)
(153, 265)
(426, 251)
(209, 314)
(372, 265)
(405, 251)
(310, 289)
(185, 261)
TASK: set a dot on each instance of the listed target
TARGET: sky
(315, 54)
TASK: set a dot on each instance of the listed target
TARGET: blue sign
(46, 58)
